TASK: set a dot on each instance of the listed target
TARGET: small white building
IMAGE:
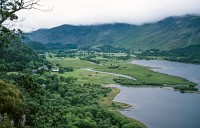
(55, 69)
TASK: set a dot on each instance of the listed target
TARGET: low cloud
(86, 12)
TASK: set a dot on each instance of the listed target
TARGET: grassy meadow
(142, 74)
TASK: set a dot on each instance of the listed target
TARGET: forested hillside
(167, 34)
(31, 95)
(48, 100)
(188, 54)
(18, 57)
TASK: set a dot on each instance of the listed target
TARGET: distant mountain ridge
(167, 34)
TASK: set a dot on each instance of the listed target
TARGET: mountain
(167, 34)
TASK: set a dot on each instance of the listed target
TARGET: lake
(190, 72)
(163, 107)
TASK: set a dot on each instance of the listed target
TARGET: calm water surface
(190, 72)
(161, 107)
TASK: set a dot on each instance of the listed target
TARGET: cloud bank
(87, 12)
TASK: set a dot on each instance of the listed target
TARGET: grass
(112, 105)
(15, 73)
(142, 74)
(89, 77)
(76, 63)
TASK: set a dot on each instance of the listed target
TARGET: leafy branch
(8, 9)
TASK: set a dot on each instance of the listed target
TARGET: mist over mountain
(167, 34)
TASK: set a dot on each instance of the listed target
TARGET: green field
(142, 74)
(89, 77)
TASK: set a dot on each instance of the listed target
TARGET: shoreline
(143, 110)
(125, 107)
(195, 84)
(119, 106)
(132, 78)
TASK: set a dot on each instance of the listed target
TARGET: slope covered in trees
(188, 54)
(54, 101)
(67, 104)
(18, 57)
(49, 100)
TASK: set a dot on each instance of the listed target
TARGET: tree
(28, 85)
(132, 125)
(8, 9)
(11, 103)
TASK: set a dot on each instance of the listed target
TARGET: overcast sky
(87, 12)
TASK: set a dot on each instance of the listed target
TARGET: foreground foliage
(61, 104)
(8, 16)
(11, 105)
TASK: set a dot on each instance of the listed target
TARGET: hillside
(167, 34)
(18, 57)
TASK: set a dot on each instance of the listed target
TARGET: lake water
(190, 72)
(162, 107)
